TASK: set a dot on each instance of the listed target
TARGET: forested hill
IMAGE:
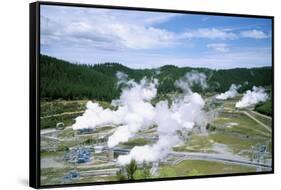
(64, 80)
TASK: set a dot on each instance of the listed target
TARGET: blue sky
(140, 39)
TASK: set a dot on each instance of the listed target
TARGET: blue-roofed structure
(78, 155)
(71, 176)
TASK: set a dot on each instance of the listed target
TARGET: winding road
(258, 121)
(217, 157)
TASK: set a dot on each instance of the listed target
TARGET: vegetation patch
(265, 108)
(202, 167)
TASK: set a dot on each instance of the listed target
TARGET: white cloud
(210, 33)
(142, 37)
(108, 30)
(219, 47)
(79, 35)
(256, 34)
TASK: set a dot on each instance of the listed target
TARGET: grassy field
(64, 111)
(196, 143)
(266, 120)
(201, 167)
(243, 125)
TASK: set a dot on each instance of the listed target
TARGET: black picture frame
(34, 98)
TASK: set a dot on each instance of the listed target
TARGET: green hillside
(64, 80)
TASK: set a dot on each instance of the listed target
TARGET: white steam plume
(231, 93)
(190, 79)
(184, 114)
(253, 97)
(122, 77)
(134, 111)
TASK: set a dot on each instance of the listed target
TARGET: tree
(144, 172)
(131, 168)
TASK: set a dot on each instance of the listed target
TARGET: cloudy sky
(141, 39)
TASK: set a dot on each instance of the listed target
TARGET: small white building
(99, 148)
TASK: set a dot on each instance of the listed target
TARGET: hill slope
(65, 80)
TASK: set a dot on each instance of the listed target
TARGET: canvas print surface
(131, 95)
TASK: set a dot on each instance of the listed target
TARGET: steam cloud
(183, 115)
(253, 97)
(135, 113)
(122, 77)
(190, 79)
(231, 93)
